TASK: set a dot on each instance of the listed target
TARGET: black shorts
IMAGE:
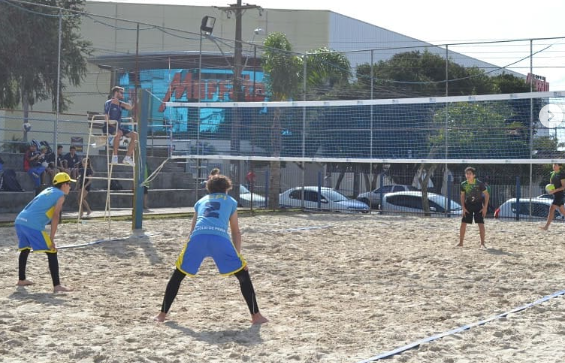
(558, 199)
(474, 212)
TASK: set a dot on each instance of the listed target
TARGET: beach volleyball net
(523, 128)
(357, 146)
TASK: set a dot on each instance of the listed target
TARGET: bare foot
(483, 246)
(460, 244)
(61, 288)
(160, 317)
(545, 228)
(258, 319)
(24, 283)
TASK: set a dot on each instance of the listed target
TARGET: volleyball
(27, 126)
(549, 188)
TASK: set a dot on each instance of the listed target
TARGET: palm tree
(283, 69)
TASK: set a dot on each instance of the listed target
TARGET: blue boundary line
(459, 330)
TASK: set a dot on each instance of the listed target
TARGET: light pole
(255, 32)
(206, 28)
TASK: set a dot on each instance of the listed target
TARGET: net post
(139, 169)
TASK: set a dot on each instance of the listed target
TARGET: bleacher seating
(172, 187)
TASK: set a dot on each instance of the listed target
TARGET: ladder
(97, 138)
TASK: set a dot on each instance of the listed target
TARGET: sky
(452, 21)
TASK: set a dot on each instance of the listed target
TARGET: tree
(325, 70)
(281, 69)
(29, 44)
(422, 74)
(414, 74)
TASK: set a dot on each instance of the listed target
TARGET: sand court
(336, 288)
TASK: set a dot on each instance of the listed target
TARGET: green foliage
(29, 52)
(417, 74)
(507, 83)
(325, 70)
(477, 131)
(546, 146)
(281, 67)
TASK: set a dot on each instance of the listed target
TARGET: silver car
(539, 206)
(326, 199)
(411, 202)
(246, 197)
(373, 198)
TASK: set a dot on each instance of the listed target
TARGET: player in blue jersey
(209, 237)
(30, 227)
(113, 111)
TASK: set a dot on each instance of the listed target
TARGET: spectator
(73, 162)
(33, 165)
(250, 177)
(60, 162)
(213, 172)
(49, 163)
(84, 182)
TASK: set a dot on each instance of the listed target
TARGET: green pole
(144, 103)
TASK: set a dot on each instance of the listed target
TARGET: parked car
(540, 209)
(412, 202)
(329, 198)
(373, 198)
(245, 198)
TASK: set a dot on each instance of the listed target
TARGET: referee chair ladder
(98, 138)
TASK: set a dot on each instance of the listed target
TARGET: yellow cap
(62, 178)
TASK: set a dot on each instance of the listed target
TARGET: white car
(540, 209)
(373, 198)
(327, 199)
(246, 197)
(411, 202)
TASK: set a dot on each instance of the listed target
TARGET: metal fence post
(518, 195)
(267, 188)
(319, 190)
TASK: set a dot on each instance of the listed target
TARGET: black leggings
(244, 282)
(53, 266)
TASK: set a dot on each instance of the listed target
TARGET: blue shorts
(221, 249)
(32, 239)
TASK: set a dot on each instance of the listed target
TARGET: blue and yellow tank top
(40, 210)
(214, 212)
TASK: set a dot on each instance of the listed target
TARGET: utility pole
(237, 9)
(237, 94)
